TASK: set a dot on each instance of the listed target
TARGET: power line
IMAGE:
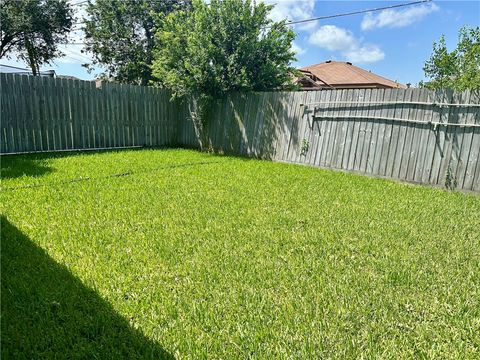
(30, 73)
(76, 53)
(68, 56)
(23, 70)
(71, 52)
(79, 3)
(354, 12)
(14, 67)
(335, 15)
(74, 58)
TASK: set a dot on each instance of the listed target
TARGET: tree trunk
(31, 57)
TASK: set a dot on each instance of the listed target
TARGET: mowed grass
(189, 255)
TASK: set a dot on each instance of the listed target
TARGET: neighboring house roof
(68, 77)
(343, 75)
(22, 71)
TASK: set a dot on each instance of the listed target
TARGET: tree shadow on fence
(47, 313)
(251, 124)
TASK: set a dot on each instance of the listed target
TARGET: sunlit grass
(221, 257)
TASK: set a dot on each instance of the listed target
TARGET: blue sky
(393, 43)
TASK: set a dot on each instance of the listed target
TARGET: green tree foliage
(458, 69)
(223, 46)
(120, 34)
(33, 29)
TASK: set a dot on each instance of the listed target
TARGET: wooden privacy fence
(418, 135)
(430, 137)
(51, 114)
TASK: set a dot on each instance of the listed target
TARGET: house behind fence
(417, 135)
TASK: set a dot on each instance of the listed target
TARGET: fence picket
(385, 132)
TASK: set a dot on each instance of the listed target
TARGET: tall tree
(458, 69)
(33, 29)
(120, 34)
(223, 46)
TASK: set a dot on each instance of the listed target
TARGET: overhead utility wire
(70, 52)
(79, 3)
(338, 15)
(320, 17)
(24, 70)
(75, 59)
(14, 67)
(355, 12)
(30, 73)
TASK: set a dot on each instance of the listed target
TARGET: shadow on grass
(16, 166)
(47, 313)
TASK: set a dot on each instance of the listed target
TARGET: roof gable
(337, 73)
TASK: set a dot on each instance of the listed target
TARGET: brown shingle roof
(343, 74)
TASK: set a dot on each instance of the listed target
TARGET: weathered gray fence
(47, 114)
(414, 135)
(417, 135)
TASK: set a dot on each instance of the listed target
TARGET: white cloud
(397, 18)
(335, 38)
(297, 49)
(365, 54)
(332, 38)
(293, 10)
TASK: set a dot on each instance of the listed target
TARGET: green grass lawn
(176, 253)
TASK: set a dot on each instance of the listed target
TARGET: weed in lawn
(450, 180)
(305, 146)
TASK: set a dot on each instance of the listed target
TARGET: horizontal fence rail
(365, 117)
(416, 135)
(392, 103)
